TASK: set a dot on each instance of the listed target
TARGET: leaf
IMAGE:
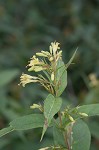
(92, 97)
(58, 136)
(4, 142)
(70, 61)
(51, 106)
(28, 122)
(61, 77)
(94, 127)
(81, 136)
(5, 131)
(90, 110)
(24, 123)
(7, 76)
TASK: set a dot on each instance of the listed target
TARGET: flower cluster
(25, 78)
(45, 61)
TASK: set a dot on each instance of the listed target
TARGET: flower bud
(34, 106)
(71, 118)
(83, 114)
(52, 76)
(51, 59)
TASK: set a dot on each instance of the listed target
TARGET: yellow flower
(36, 68)
(34, 61)
(36, 65)
(44, 54)
(55, 54)
(25, 79)
(58, 55)
(41, 54)
(54, 47)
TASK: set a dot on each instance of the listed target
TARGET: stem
(64, 134)
(59, 114)
(60, 119)
(66, 141)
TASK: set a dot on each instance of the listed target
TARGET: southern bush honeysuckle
(67, 126)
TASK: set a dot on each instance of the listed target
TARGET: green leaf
(58, 136)
(51, 106)
(70, 61)
(7, 76)
(81, 136)
(94, 127)
(90, 110)
(61, 77)
(28, 122)
(92, 97)
(5, 131)
(4, 142)
(24, 123)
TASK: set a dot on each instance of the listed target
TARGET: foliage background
(27, 26)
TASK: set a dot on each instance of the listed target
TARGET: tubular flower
(54, 51)
(36, 64)
(54, 47)
(25, 79)
(43, 54)
(34, 61)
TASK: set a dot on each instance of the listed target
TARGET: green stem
(64, 134)
(66, 141)
(60, 119)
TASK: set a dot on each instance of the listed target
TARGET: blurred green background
(28, 26)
